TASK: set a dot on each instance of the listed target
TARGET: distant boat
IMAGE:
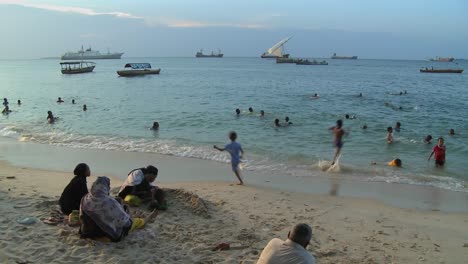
(313, 62)
(74, 67)
(441, 59)
(432, 70)
(277, 50)
(335, 57)
(89, 54)
(137, 69)
(287, 60)
(212, 55)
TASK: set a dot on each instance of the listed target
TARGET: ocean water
(194, 101)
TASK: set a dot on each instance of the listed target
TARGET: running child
(338, 132)
(236, 152)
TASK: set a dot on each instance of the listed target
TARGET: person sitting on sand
(155, 126)
(103, 218)
(138, 183)
(59, 100)
(50, 117)
(75, 190)
(293, 250)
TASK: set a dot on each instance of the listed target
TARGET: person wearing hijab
(75, 190)
(103, 217)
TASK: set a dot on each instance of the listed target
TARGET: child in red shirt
(439, 151)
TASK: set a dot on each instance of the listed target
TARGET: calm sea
(194, 101)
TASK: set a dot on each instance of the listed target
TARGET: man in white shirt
(291, 251)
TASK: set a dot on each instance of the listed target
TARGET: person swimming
(238, 111)
(395, 163)
(85, 107)
(19, 102)
(428, 139)
(59, 100)
(364, 126)
(287, 122)
(262, 113)
(155, 126)
(6, 110)
(73, 101)
(315, 96)
(250, 110)
(397, 126)
(452, 132)
(50, 117)
(277, 124)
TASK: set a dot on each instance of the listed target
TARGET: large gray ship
(89, 54)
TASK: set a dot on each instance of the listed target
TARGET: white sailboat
(277, 50)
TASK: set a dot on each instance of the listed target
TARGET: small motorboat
(137, 69)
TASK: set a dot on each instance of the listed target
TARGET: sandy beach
(203, 214)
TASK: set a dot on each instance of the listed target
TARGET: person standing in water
(439, 151)
(389, 135)
(236, 152)
(85, 108)
(338, 133)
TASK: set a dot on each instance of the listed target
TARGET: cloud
(177, 23)
(68, 9)
(150, 21)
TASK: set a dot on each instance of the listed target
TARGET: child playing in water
(338, 132)
(389, 135)
(439, 151)
(234, 149)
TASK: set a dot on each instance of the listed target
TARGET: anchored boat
(89, 54)
(277, 50)
(432, 70)
(137, 69)
(74, 67)
(313, 62)
(212, 55)
(335, 57)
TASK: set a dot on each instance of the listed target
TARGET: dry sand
(203, 214)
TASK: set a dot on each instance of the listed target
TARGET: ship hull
(442, 70)
(285, 56)
(286, 60)
(344, 58)
(98, 57)
(209, 56)
(131, 73)
(77, 71)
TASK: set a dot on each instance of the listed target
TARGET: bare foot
(240, 183)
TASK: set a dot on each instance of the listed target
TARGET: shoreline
(116, 164)
(203, 214)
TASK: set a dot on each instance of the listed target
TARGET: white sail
(277, 49)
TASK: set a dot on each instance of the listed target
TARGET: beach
(204, 213)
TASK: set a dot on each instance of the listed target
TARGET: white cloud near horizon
(68, 9)
(150, 21)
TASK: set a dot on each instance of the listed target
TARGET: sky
(392, 29)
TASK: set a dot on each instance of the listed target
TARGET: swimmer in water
(238, 111)
(397, 126)
(85, 107)
(315, 96)
(250, 110)
(277, 124)
(392, 163)
(19, 102)
(50, 117)
(59, 100)
(155, 126)
(262, 113)
(389, 135)
(452, 132)
(286, 119)
(73, 101)
(428, 139)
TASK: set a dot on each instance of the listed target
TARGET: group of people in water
(50, 116)
(277, 123)
(108, 218)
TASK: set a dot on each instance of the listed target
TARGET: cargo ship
(335, 57)
(89, 54)
(212, 55)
